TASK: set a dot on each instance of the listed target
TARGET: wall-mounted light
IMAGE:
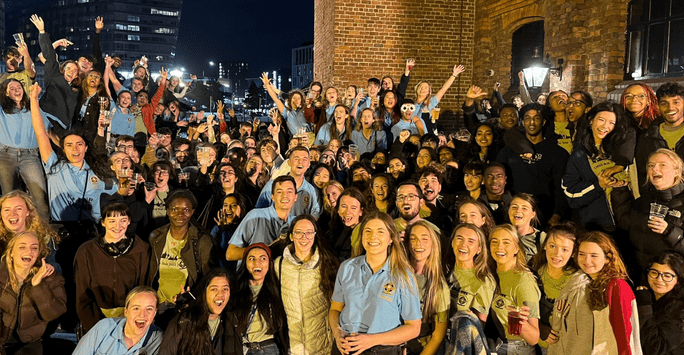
(536, 73)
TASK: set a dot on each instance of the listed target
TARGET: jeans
(27, 163)
(518, 347)
(270, 349)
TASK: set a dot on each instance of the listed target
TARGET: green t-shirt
(173, 272)
(672, 135)
(442, 298)
(564, 141)
(159, 205)
(553, 287)
(474, 294)
(517, 289)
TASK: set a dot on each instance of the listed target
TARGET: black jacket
(648, 143)
(661, 323)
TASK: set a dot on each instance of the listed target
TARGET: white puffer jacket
(305, 305)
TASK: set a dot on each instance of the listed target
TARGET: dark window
(655, 45)
(528, 41)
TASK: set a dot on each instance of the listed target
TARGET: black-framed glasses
(666, 276)
(640, 97)
(576, 103)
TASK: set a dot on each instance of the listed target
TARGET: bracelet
(454, 76)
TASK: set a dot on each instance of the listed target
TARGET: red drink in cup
(514, 322)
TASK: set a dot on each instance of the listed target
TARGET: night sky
(261, 33)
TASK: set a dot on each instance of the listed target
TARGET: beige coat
(305, 305)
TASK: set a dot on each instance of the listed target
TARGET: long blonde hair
(481, 260)
(401, 270)
(432, 270)
(520, 262)
(9, 262)
(34, 222)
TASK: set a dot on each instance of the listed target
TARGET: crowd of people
(348, 225)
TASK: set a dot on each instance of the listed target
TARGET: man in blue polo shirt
(307, 200)
(265, 225)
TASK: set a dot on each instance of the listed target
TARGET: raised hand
(38, 22)
(474, 92)
(35, 91)
(44, 271)
(458, 69)
(99, 24)
(409, 64)
(265, 79)
(164, 73)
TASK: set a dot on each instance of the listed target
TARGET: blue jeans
(27, 164)
(270, 349)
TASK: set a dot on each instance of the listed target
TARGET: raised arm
(28, 62)
(271, 92)
(39, 126)
(109, 75)
(458, 69)
(97, 50)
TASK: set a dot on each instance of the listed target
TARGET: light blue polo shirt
(323, 136)
(402, 125)
(377, 140)
(363, 104)
(329, 113)
(295, 119)
(260, 225)
(107, 337)
(432, 104)
(123, 123)
(16, 129)
(307, 199)
(65, 189)
(376, 301)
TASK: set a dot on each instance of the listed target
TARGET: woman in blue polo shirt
(375, 304)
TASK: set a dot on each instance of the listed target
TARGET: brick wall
(373, 38)
(364, 38)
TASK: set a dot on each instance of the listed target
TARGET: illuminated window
(133, 18)
(133, 38)
(154, 11)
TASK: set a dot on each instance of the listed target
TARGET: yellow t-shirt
(474, 294)
(442, 307)
(597, 166)
(22, 76)
(564, 141)
(173, 273)
(517, 289)
(672, 136)
(256, 331)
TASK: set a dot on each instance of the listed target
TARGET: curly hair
(34, 222)
(614, 268)
(9, 263)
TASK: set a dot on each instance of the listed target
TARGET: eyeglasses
(161, 173)
(226, 173)
(576, 103)
(409, 197)
(308, 235)
(655, 274)
(408, 107)
(640, 97)
(123, 160)
(124, 147)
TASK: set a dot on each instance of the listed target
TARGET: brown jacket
(39, 305)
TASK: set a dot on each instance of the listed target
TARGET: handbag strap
(85, 188)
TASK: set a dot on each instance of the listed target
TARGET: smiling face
(470, 213)
(508, 118)
(395, 167)
(431, 187)
(380, 188)
(672, 109)
(75, 149)
(257, 264)
(180, 211)
(533, 122)
(93, 79)
(331, 95)
(161, 177)
(389, 101)
(296, 101)
(25, 252)
(140, 314)
(143, 99)
(504, 248)
(303, 236)
(421, 243)
(387, 84)
(136, 84)
(333, 193)
(521, 213)
(320, 177)
(70, 72)
(284, 195)
(661, 172)
(484, 137)
(125, 99)
(558, 101)
(367, 119)
(231, 208)
(15, 91)
(558, 250)
(376, 238)
(227, 178)
(115, 227)
(591, 258)
(423, 89)
(14, 214)
(424, 158)
(636, 100)
(85, 65)
(408, 202)
(602, 124)
(350, 211)
(340, 115)
(659, 286)
(466, 246)
(218, 294)
(299, 162)
(472, 180)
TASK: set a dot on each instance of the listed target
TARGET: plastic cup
(514, 322)
(352, 329)
(18, 38)
(354, 150)
(658, 210)
(435, 113)
(134, 180)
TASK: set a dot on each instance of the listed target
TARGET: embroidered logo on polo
(500, 303)
(306, 200)
(388, 290)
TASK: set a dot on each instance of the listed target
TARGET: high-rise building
(236, 73)
(2, 24)
(302, 65)
(133, 28)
